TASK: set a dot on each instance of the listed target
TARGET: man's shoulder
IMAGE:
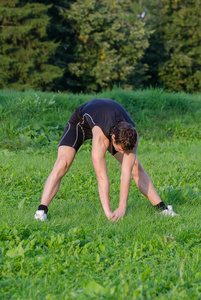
(97, 131)
(100, 141)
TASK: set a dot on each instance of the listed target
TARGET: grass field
(77, 253)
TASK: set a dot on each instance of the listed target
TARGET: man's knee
(64, 160)
(61, 167)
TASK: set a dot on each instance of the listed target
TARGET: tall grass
(38, 119)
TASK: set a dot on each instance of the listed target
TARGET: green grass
(77, 253)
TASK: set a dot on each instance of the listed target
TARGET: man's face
(117, 147)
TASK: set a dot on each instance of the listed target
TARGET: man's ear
(113, 137)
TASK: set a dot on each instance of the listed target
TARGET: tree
(25, 48)
(177, 48)
(59, 30)
(183, 69)
(110, 39)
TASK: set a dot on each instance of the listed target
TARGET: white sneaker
(169, 211)
(40, 215)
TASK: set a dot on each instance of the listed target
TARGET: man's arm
(99, 147)
(127, 166)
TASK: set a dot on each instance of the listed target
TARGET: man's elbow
(99, 172)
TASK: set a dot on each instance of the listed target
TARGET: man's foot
(40, 215)
(169, 211)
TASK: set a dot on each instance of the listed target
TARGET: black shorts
(76, 132)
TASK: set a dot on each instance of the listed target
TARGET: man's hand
(109, 214)
(118, 214)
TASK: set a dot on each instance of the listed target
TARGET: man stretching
(109, 126)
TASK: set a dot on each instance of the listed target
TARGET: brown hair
(125, 135)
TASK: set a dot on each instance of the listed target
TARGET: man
(109, 126)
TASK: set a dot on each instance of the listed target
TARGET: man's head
(125, 136)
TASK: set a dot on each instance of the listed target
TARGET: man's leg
(65, 158)
(142, 181)
(146, 187)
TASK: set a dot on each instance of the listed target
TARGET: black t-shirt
(105, 113)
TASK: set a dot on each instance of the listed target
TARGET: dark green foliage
(110, 41)
(87, 46)
(26, 50)
(79, 47)
(59, 30)
(183, 33)
(174, 54)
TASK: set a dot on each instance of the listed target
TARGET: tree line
(90, 45)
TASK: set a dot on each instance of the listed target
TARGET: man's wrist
(108, 210)
(122, 207)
